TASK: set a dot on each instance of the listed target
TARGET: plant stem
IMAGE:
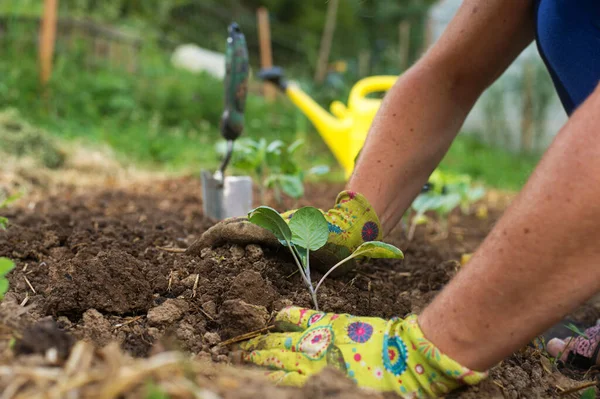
(331, 270)
(313, 292)
(299, 264)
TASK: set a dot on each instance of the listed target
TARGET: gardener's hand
(351, 221)
(579, 351)
(387, 355)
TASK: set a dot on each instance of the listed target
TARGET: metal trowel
(229, 196)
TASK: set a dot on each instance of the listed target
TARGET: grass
(167, 119)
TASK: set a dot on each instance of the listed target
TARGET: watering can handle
(236, 83)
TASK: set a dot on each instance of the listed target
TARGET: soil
(102, 266)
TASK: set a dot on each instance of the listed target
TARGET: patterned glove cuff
(361, 207)
(442, 373)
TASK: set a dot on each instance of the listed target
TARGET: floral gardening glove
(385, 355)
(351, 221)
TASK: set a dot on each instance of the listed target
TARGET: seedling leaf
(576, 330)
(271, 220)
(292, 186)
(378, 249)
(6, 265)
(319, 170)
(373, 249)
(3, 223)
(3, 287)
(589, 393)
(309, 228)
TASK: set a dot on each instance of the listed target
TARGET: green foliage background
(167, 118)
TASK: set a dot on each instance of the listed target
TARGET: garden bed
(102, 266)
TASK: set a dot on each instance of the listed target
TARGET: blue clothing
(568, 38)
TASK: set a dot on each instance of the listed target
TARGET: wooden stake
(266, 55)
(326, 40)
(404, 48)
(47, 39)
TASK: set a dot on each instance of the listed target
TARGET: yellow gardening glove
(385, 355)
(352, 221)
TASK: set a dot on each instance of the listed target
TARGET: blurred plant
(272, 165)
(6, 265)
(445, 192)
(20, 138)
(4, 203)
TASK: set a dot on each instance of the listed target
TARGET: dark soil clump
(102, 268)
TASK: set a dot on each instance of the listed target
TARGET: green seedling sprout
(6, 265)
(308, 231)
(273, 165)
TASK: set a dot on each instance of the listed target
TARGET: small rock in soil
(210, 308)
(45, 336)
(238, 317)
(237, 252)
(281, 304)
(96, 328)
(169, 312)
(212, 338)
(254, 252)
(111, 282)
(189, 281)
(250, 287)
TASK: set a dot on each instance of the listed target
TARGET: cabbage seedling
(308, 231)
(6, 265)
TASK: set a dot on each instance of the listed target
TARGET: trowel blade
(231, 198)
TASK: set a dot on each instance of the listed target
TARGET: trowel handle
(236, 83)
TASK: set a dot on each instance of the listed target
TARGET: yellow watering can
(345, 131)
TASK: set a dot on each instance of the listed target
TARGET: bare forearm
(423, 112)
(539, 262)
(414, 127)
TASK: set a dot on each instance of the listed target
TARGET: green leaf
(589, 393)
(275, 146)
(6, 265)
(576, 330)
(319, 170)
(3, 223)
(292, 186)
(295, 145)
(271, 220)
(309, 228)
(378, 249)
(6, 202)
(3, 287)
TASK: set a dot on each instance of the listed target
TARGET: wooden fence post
(47, 39)
(404, 45)
(266, 55)
(326, 40)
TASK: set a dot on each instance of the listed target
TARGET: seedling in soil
(273, 165)
(444, 200)
(6, 265)
(308, 231)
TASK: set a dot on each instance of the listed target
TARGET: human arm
(423, 112)
(538, 263)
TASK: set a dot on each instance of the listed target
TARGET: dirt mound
(104, 266)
